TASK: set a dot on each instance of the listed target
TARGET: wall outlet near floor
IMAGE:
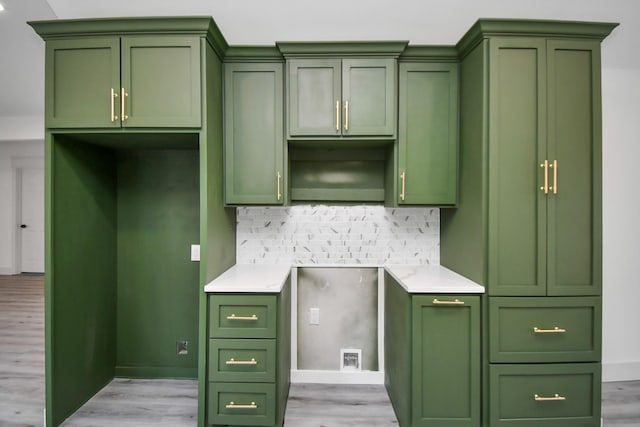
(195, 252)
(182, 348)
(314, 316)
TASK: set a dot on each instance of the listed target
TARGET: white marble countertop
(419, 279)
(432, 279)
(251, 278)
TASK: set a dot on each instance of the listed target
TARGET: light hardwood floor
(128, 403)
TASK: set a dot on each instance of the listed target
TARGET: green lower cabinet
(241, 360)
(545, 395)
(446, 361)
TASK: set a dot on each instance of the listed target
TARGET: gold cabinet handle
(545, 166)
(402, 179)
(279, 179)
(556, 397)
(555, 330)
(114, 95)
(338, 116)
(253, 317)
(124, 95)
(456, 301)
(554, 166)
(232, 405)
(346, 115)
(232, 361)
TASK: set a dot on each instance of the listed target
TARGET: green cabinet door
(368, 97)
(133, 81)
(544, 167)
(427, 134)
(253, 133)
(82, 83)
(161, 81)
(517, 220)
(332, 97)
(315, 97)
(574, 144)
(446, 361)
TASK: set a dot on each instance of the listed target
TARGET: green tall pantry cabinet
(528, 222)
(133, 157)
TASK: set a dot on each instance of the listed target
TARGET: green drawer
(242, 360)
(553, 395)
(242, 316)
(241, 404)
(545, 329)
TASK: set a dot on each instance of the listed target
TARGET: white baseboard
(337, 377)
(620, 371)
(7, 271)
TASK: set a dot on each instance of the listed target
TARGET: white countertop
(432, 279)
(418, 279)
(251, 278)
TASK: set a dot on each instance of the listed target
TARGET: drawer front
(242, 316)
(559, 395)
(242, 360)
(245, 404)
(545, 330)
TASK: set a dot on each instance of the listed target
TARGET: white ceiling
(266, 21)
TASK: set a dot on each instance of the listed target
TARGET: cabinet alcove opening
(128, 208)
(340, 173)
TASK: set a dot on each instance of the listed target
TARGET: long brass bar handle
(555, 398)
(253, 317)
(456, 301)
(338, 116)
(555, 330)
(232, 405)
(545, 166)
(114, 95)
(279, 179)
(554, 165)
(122, 97)
(232, 361)
(402, 179)
(346, 115)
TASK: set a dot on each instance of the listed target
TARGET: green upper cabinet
(341, 97)
(128, 81)
(544, 167)
(427, 134)
(253, 133)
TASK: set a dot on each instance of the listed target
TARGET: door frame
(18, 163)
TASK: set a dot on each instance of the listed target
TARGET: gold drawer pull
(232, 361)
(555, 398)
(232, 405)
(253, 317)
(456, 301)
(555, 330)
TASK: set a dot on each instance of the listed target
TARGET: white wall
(12, 154)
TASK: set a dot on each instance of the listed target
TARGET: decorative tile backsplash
(350, 235)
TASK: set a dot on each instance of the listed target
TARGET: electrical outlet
(314, 316)
(182, 348)
(195, 252)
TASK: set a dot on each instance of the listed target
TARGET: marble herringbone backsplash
(350, 235)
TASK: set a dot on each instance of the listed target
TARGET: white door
(31, 220)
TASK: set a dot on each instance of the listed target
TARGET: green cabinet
(544, 167)
(332, 97)
(253, 133)
(427, 134)
(432, 357)
(528, 223)
(145, 81)
(248, 360)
